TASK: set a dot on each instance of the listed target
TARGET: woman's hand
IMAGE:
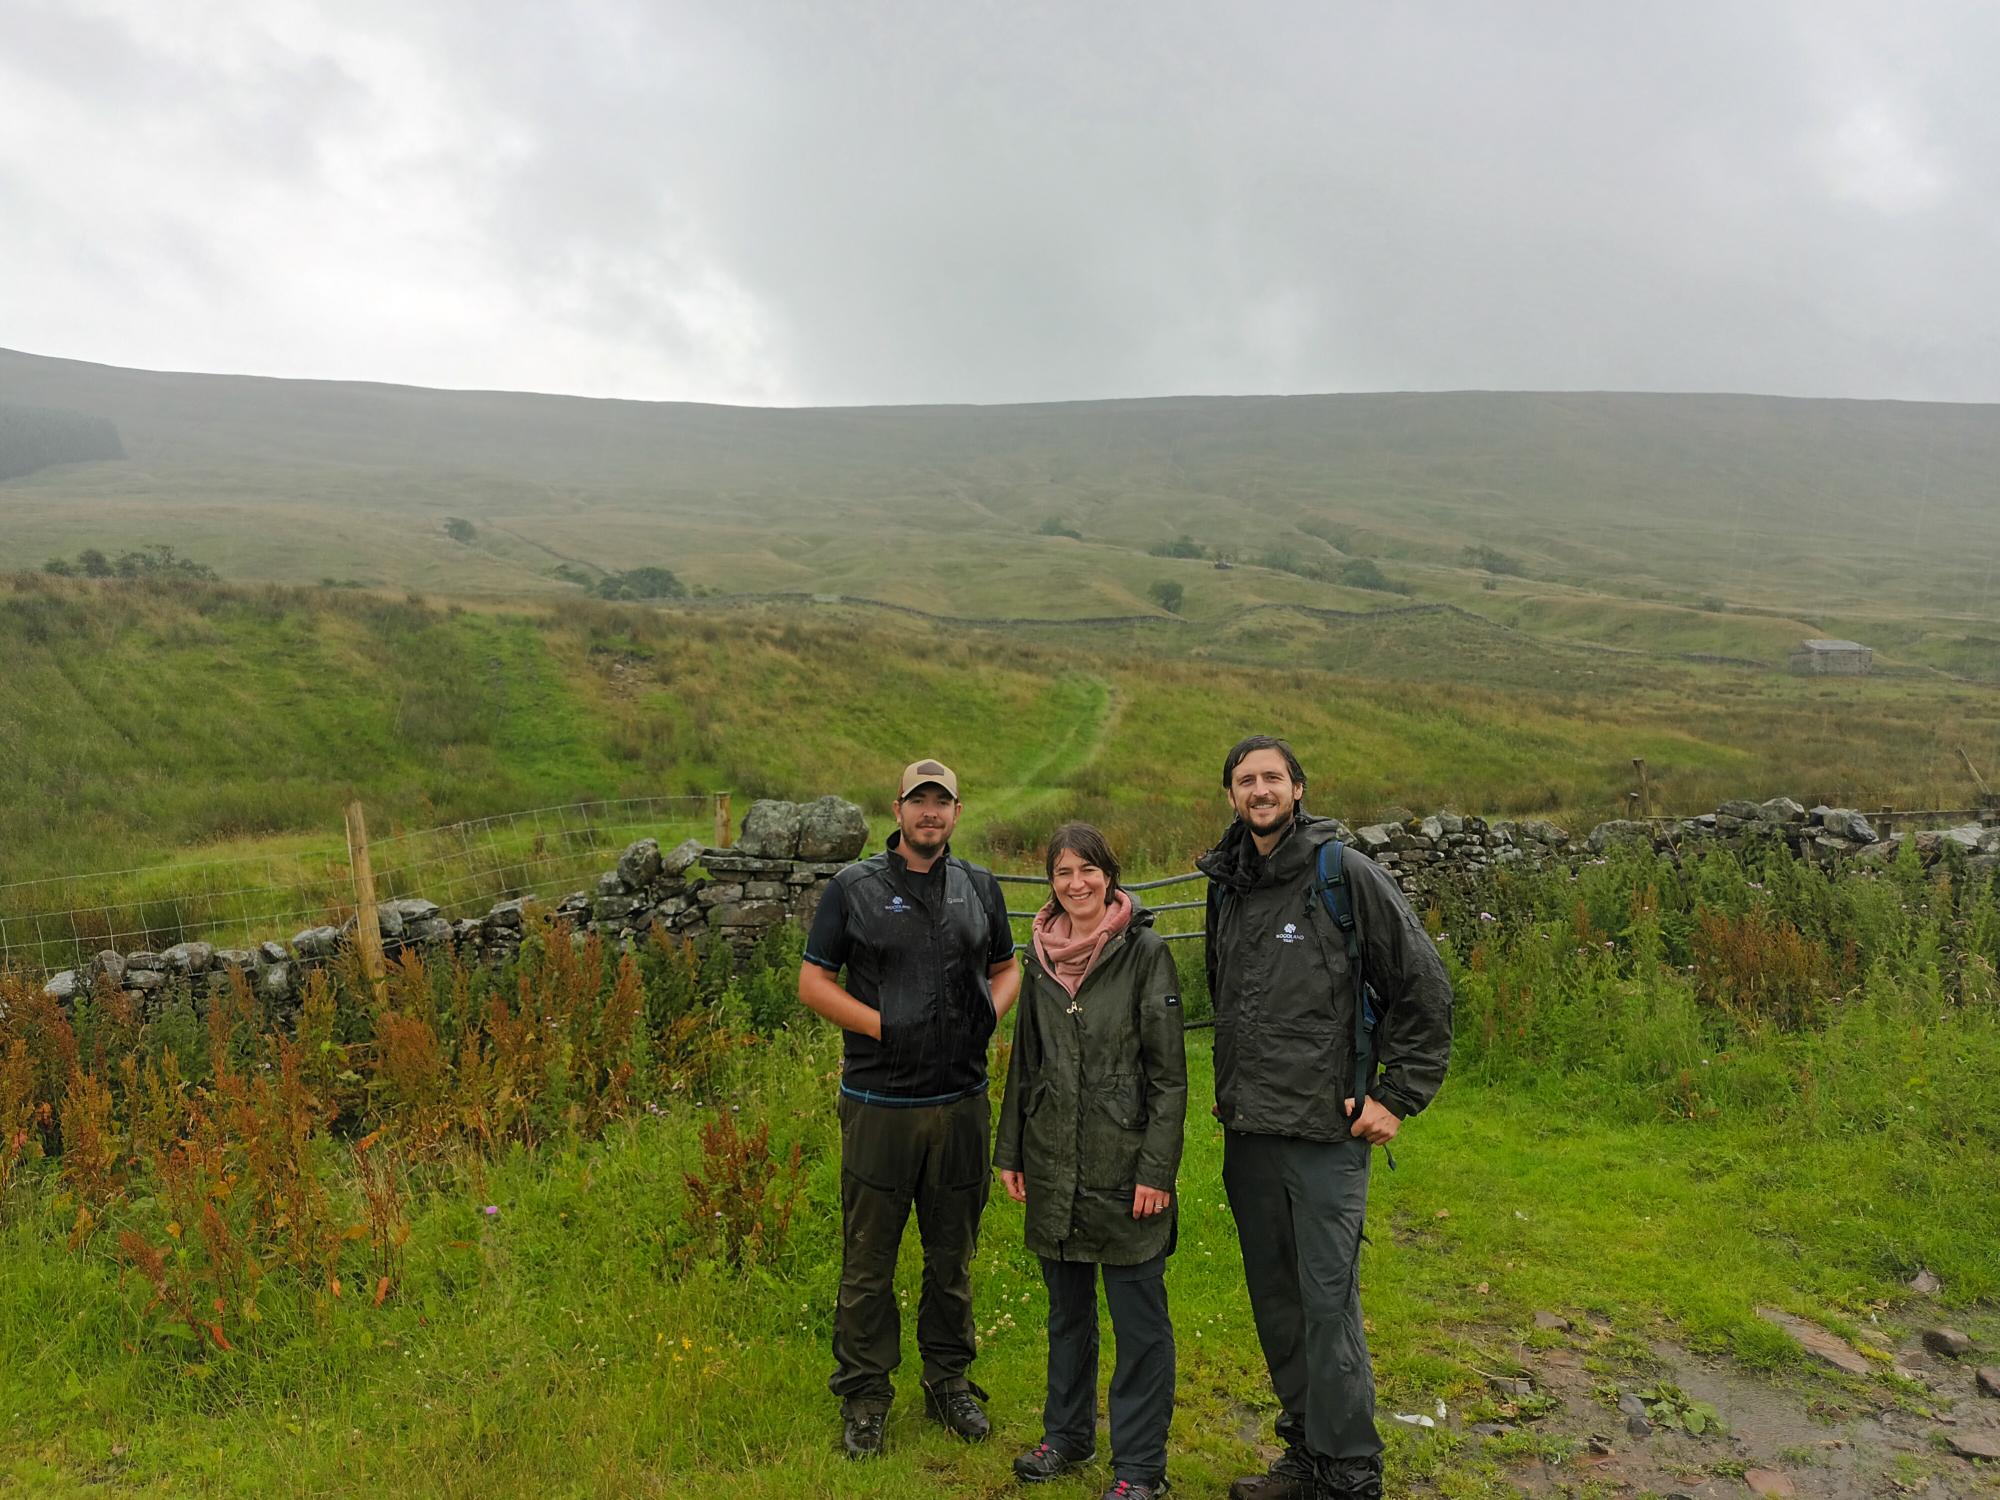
(1016, 1185)
(1149, 1201)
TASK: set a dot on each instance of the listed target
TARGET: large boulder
(639, 863)
(61, 988)
(771, 830)
(1845, 823)
(832, 829)
(1374, 839)
(1542, 831)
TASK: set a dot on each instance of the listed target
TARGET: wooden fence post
(722, 820)
(367, 928)
(1645, 787)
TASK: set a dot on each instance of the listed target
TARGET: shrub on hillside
(1365, 573)
(641, 583)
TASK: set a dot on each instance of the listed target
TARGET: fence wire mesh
(239, 900)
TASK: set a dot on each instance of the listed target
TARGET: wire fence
(240, 900)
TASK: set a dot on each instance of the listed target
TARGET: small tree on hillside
(1168, 595)
(459, 529)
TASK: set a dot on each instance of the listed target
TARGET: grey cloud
(914, 202)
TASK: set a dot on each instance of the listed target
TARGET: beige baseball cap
(920, 772)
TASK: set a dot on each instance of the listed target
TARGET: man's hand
(1376, 1126)
(1016, 1185)
(1149, 1201)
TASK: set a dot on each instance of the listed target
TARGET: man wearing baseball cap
(911, 956)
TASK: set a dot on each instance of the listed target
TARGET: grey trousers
(1142, 1382)
(1299, 1209)
(936, 1159)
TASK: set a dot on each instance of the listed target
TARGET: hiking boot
(1131, 1489)
(1290, 1478)
(1044, 1462)
(1351, 1479)
(959, 1412)
(861, 1433)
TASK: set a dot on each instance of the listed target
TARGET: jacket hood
(1235, 863)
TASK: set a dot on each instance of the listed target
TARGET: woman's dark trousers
(1142, 1381)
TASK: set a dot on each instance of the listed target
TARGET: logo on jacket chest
(897, 906)
(1290, 934)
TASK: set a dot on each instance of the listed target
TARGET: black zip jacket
(917, 948)
(1285, 992)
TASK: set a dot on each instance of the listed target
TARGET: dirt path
(1076, 721)
(1808, 1433)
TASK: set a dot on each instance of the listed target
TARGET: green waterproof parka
(1096, 1100)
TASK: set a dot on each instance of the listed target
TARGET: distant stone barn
(1832, 658)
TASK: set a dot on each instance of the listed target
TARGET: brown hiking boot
(1290, 1478)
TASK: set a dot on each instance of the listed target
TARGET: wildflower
(492, 1210)
(1487, 916)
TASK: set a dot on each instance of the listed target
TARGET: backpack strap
(1331, 887)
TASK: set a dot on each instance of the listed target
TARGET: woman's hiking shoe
(1290, 1478)
(1131, 1489)
(1044, 1462)
(861, 1433)
(959, 1411)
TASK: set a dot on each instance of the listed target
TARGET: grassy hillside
(1604, 517)
(138, 718)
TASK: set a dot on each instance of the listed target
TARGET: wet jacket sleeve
(1020, 1080)
(1163, 1053)
(1413, 1037)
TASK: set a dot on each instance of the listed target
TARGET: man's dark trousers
(1142, 1385)
(937, 1158)
(1299, 1208)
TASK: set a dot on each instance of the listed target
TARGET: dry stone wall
(778, 869)
(775, 873)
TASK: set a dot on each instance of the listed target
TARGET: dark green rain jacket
(1096, 1098)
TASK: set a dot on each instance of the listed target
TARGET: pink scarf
(1070, 959)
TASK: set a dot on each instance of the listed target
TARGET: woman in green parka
(1090, 1140)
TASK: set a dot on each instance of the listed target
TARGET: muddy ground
(1808, 1431)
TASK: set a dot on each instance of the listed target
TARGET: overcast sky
(822, 202)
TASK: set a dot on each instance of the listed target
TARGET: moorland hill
(1630, 519)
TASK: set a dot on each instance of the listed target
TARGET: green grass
(556, 1354)
(140, 723)
(1611, 1146)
